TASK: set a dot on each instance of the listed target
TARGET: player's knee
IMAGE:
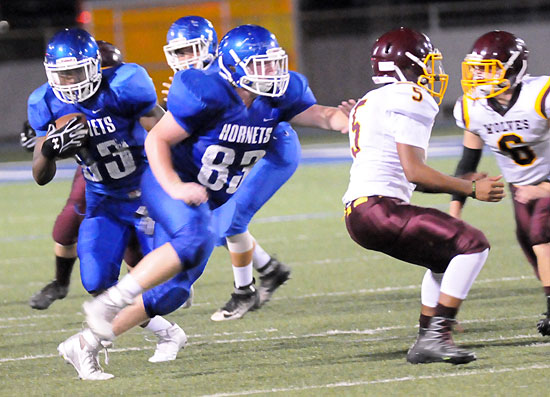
(65, 229)
(473, 240)
(95, 285)
(193, 248)
(167, 303)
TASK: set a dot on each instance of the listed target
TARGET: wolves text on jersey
(245, 134)
(506, 126)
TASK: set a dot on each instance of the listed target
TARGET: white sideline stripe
(378, 381)
(315, 295)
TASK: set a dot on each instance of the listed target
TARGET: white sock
(129, 287)
(461, 273)
(259, 257)
(158, 323)
(431, 284)
(242, 275)
(90, 338)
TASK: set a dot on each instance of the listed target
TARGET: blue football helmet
(191, 43)
(250, 57)
(73, 65)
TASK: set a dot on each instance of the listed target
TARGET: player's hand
(346, 106)
(524, 194)
(490, 189)
(190, 192)
(474, 176)
(27, 137)
(167, 85)
(64, 141)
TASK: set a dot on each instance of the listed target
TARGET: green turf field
(340, 327)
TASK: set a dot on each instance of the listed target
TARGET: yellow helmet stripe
(541, 99)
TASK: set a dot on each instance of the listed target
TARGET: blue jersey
(226, 138)
(116, 136)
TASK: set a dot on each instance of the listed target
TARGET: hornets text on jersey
(227, 138)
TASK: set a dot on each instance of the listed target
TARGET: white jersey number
(116, 169)
(217, 159)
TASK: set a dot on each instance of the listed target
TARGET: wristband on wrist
(473, 194)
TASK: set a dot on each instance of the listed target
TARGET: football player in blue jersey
(192, 43)
(65, 229)
(119, 104)
(219, 123)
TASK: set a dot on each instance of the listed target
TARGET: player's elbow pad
(468, 163)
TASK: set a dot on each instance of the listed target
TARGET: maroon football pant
(422, 236)
(532, 225)
(65, 229)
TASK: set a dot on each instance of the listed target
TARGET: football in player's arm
(65, 229)
(115, 101)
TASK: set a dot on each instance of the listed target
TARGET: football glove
(27, 137)
(65, 141)
(544, 326)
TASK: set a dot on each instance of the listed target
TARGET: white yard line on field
(380, 381)
(306, 296)
(328, 333)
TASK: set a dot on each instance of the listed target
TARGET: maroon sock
(546, 290)
(424, 321)
(63, 269)
(444, 311)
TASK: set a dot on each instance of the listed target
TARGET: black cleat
(45, 297)
(243, 300)
(412, 353)
(435, 344)
(277, 274)
(543, 326)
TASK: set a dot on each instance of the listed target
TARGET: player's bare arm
(416, 171)
(325, 117)
(165, 134)
(472, 144)
(43, 169)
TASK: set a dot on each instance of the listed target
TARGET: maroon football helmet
(407, 55)
(497, 62)
(110, 55)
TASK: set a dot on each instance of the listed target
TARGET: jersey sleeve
(413, 113)
(412, 101)
(38, 112)
(134, 89)
(193, 99)
(410, 131)
(297, 97)
(542, 105)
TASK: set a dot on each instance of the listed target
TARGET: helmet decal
(407, 55)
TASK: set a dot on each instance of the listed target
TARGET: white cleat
(101, 311)
(83, 357)
(170, 342)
